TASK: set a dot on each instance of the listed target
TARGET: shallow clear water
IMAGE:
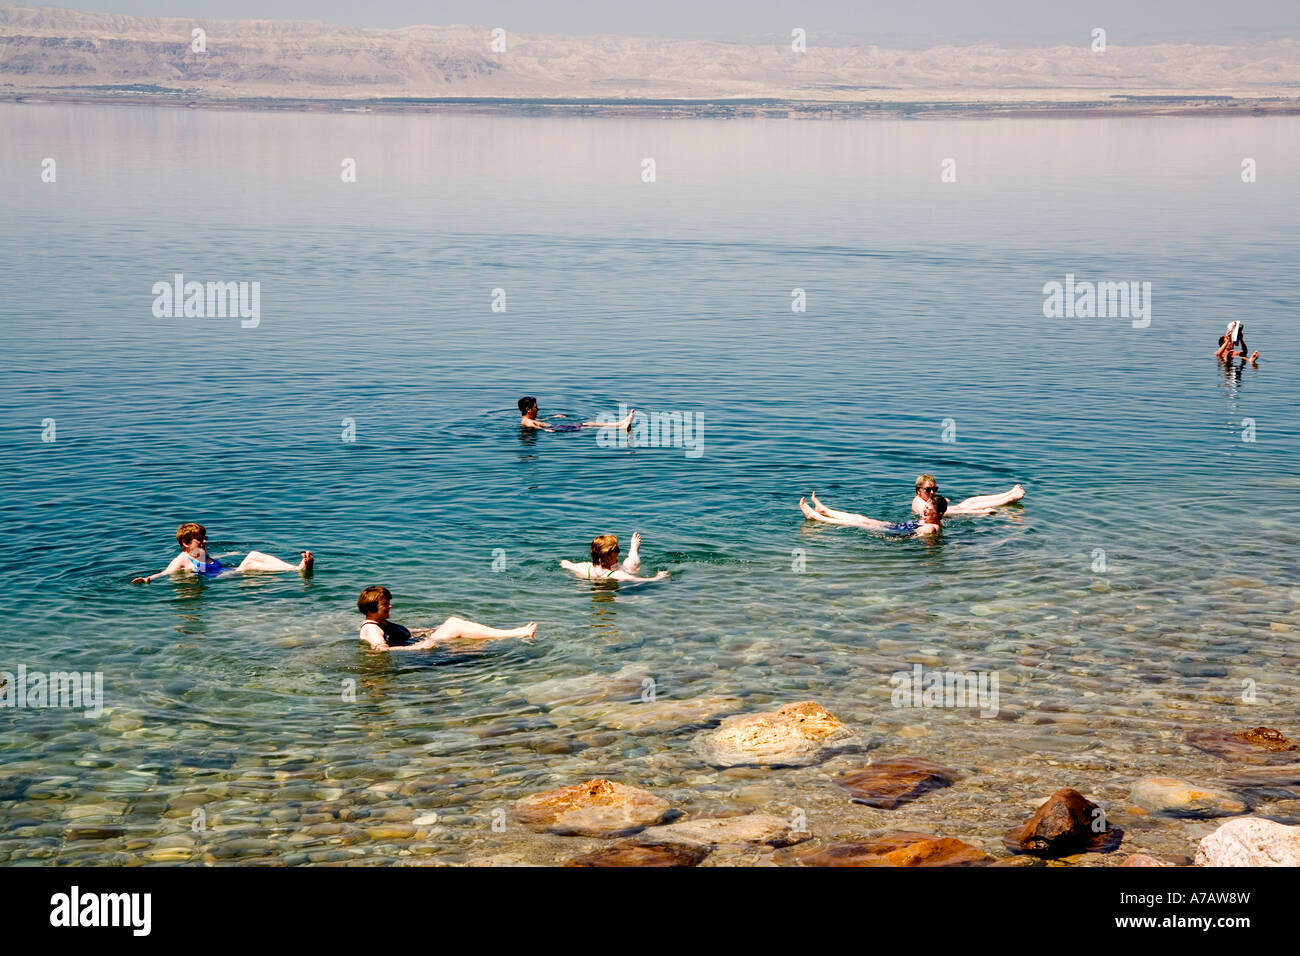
(925, 303)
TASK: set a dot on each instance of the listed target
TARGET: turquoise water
(924, 303)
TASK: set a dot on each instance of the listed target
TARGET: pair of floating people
(376, 602)
(381, 634)
(929, 505)
(1232, 341)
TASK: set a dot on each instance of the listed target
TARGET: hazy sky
(900, 22)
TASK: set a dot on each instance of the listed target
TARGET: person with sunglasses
(194, 558)
(927, 488)
(604, 564)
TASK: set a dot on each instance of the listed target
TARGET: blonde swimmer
(604, 564)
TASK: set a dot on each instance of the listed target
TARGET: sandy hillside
(43, 49)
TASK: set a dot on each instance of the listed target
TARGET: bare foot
(527, 632)
(807, 509)
(626, 424)
(1254, 359)
(308, 560)
(1017, 493)
(818, 505)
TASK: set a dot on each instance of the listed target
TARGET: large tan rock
(757, 829)
(1250, 841)
(1183, 799)
(793, 736)
(598, 808)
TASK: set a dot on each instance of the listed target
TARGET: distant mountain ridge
(45, 49)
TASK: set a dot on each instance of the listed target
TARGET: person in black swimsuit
(381, 634)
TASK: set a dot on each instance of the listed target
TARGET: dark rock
(643, 854)
(1283, 780)
(889, 784)
(1062, 826)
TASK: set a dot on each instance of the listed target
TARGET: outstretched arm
(178, 562)
(580, 569)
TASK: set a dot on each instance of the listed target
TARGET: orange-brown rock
(633, 853)
(900, 849)
(1258, 745)
(888, 784)
(794, 735)
(599, 808)
(1063, 825)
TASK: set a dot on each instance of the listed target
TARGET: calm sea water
(924, 304)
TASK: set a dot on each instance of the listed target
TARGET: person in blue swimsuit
(528, 411)
(194, 558)
(931, 521)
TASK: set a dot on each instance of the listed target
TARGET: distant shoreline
(1134, 105)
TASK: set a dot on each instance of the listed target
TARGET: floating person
(931, 521)
(381, 634)
(528, 411)
(604, 565)
(1233, 339)
(194, 558)
(927, 487)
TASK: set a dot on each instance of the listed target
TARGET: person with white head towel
(1232, 344)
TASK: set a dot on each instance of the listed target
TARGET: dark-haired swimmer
(381, 634)
(528, 413)
(1230, 342)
